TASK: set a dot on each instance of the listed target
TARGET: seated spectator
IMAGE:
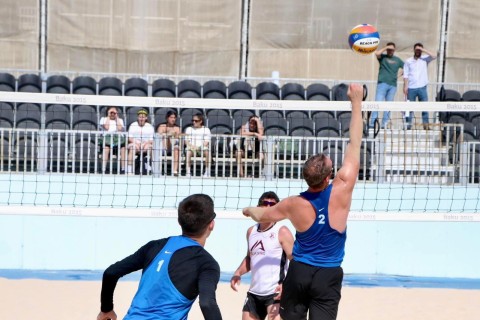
(170, 133)
(111, 124)
(140, 140)
(197, 140)
(252, 134)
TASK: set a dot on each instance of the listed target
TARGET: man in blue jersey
(319, 215)
(175, 270)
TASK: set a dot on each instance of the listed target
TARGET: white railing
(280, 157)
(69, 151)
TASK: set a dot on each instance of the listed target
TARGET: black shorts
(311, 289)
(257, 305)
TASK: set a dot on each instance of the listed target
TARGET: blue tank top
(157, 298)
(320, 245)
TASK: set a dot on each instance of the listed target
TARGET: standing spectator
(253, 131)
(140, 140)
(388, 74)
(110, 125)
(415, 75)
(269, 249)
(175, 270)
(170, 134)
(314, 279)
(197, 141)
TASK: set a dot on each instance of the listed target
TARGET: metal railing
(279, 157)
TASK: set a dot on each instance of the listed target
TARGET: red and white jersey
(268, 261)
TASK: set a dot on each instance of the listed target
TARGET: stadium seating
(293, 91)
(28, 113)
(214, 89)
(164, 88)
(318, 92)
(239, 90)
(136, 87)
(189, 89)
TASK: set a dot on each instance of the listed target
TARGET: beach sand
(80, 300)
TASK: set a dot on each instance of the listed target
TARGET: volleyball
(364, 39)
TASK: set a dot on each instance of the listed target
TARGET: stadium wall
(83, 238)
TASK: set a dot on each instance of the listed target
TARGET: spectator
(253, 130)
(175, 270)
(197, 141)
(170, 133)
(415, 75)
(111, 124)
(140, 140)
(388, 74)
(269, 247)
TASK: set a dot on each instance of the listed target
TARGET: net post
(42, 152)
(269, 159)
(380, 176)
(157, 155)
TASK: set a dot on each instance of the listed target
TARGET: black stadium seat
(214, 89)
(267, 91)
(58, 84)
(84, 85)
(29, 111)
(189, 89)
(164, 88)
(318, 92)
(136, 87)
(110, 86)
(239, 90)
(293, 91)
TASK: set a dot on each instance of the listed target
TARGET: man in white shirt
(140, 140)
(197, 140)
(415, 76)
(270, 248)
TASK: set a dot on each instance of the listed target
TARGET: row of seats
(58, 116)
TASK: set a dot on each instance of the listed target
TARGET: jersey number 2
(321, 219)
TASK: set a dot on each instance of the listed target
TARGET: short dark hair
(200, 116)
(268, 195)
(195, 212)
(315, 170)
(110, 108)
(391, 44)
(169, 113)
(418, 44)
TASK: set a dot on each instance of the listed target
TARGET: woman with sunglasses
(111, 124)
(269, 247)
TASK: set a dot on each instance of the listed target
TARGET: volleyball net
(57, 157)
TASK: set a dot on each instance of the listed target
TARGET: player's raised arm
(276, 213)
(351, 162)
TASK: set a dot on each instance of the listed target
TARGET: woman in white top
(111, 123)
(197, 140)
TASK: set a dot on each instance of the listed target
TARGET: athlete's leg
(273, 311)
(326, 293)
(295, 293)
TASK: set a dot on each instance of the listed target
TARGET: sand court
(28, 299)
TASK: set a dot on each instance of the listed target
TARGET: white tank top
(268, 262)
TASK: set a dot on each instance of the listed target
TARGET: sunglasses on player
(266, 203)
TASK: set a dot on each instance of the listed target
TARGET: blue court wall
(430, 248)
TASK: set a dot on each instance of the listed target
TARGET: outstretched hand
(355, 92)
